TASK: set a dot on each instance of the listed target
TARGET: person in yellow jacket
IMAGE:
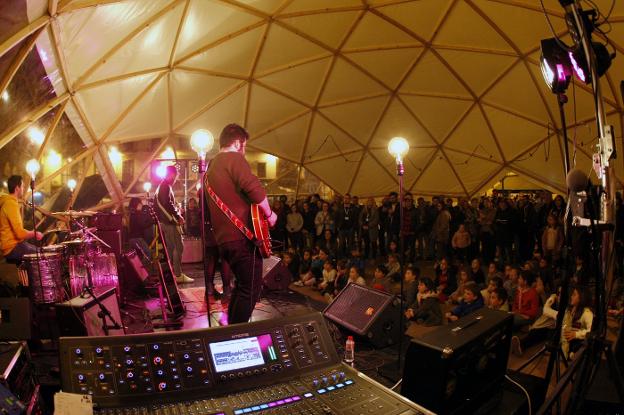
(13, 236)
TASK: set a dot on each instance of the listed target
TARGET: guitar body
(261, 231)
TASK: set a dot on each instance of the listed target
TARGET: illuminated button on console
(158, 361)
(162, 386)
(99, 351)
(130, 375)
(127, 349)
(81, 378)
(78, 351)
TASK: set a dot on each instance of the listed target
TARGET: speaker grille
(356, 307)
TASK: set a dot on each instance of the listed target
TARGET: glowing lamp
(71, 184)
(36, 135)
(33, 167)
(54, 160)
(398, 148)
(115, 156)
(168, 154)
(5, 96)
(198, 186)
(202, 142)
(147, 186)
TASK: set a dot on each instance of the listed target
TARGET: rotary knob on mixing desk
(315, 383)
(158, 361)
(325, 380)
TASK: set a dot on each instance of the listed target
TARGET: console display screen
(242, 353)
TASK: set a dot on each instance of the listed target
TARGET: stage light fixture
(71, 184)
(555, 65)
(202, 142)
(579, 63)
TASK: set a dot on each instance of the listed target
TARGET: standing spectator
(328, 243)
(346, 220)
(503, 231)
(552, 239)
(383, 224)
(294, 225)
(357, 208)
(440, 231)
(323, 220)
(486, 232)
(423, 227)
(309, 229)
(409, 228)
(192, 219)
(527, 229)
(278, 232)
(394, 224)
(369, 224)
(461, 242)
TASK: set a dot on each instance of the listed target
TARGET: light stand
(398, 147)
(202, 141)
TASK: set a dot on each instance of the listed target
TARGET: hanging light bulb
(33, 167)
(398, 147)
(71, 184)
(202, 142)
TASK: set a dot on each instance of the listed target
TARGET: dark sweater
(231, 179)
(464, 308)
(427, 310)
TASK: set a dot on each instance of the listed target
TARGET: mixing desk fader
(280, 366)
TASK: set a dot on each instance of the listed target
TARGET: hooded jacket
(12, 229)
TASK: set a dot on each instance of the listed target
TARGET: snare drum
(44, 277)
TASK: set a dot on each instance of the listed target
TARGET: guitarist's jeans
(246, 264)
(173, 239)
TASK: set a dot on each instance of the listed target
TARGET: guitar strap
(230, 215)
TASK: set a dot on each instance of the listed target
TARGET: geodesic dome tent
(320, 84)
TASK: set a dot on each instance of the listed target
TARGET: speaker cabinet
(81, 316)
(132, 275)
(455, 368)
(15, 318)
(368, 313)
(112, 238)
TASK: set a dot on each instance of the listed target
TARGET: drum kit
(68, 268)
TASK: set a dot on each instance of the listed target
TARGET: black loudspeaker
(112, 238)
(455, 368)
(275, 274)
(15, 318)
(105, 221)
(80, 316)
(132, 275)
(368, 313)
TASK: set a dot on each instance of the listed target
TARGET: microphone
(577, 181)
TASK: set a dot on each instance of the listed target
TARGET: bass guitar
(165, 272)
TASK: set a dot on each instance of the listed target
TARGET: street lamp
(398, 148)
(202, 142)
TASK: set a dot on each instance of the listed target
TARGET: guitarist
(171, 220)
(231, 179)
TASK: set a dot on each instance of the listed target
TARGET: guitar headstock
(150, 209)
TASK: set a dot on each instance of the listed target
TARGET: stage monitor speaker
(275, 274)
(368, 313)
(15, 318)
(455, 368)
(132, 275)
(79, 316)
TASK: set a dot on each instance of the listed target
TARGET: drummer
(13, 236)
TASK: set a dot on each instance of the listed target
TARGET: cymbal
(75, 213)
(83, 231)
(55, 230)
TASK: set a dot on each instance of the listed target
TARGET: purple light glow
(580, 74)
(560, 72)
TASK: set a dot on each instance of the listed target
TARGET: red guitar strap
(230, 215)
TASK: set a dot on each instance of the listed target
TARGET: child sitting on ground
(426, 309)
(472, 301)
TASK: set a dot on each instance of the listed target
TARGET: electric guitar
(261, 231)
(260, 235)
(165, 272)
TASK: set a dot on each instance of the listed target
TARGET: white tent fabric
(326, 83)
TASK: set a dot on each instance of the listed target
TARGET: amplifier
(366, 312)
(287, 365)
(15, 318)
(105, 221)
(454, 368)
(81, 316)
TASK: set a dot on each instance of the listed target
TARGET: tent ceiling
(326, 83)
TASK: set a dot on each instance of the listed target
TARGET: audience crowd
(498, 252)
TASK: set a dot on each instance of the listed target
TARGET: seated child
(472, 301)
(426, 309)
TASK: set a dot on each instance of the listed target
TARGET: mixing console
(280, 366)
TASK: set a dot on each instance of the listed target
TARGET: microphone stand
(103, 313)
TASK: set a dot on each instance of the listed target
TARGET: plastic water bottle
(349, 350)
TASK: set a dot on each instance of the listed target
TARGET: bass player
(230, 177)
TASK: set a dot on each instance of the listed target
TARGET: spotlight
(202, 142)
(398, 147)
(555, 65)
(579, 62)
(161, 171)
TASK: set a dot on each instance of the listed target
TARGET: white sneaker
(184, 279)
